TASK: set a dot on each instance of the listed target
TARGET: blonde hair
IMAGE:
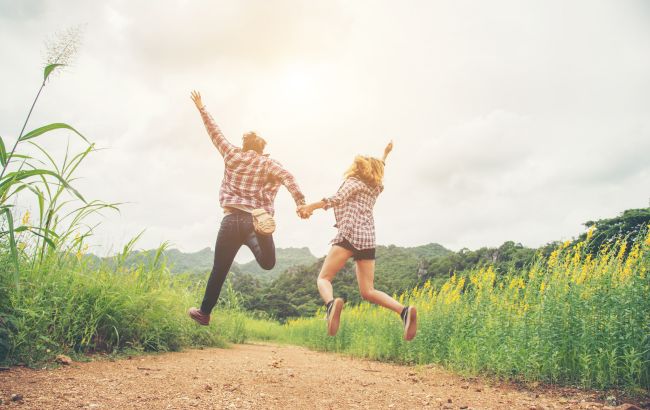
(368, 169)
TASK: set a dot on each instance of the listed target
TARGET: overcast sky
(511, 120)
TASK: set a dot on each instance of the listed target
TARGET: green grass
(52, 300)
(264, 330)
(74, 309)
(569, 319)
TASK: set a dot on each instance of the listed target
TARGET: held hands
(304, 211)
(196, 97)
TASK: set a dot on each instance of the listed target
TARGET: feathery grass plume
(61, 49)
(14, 179)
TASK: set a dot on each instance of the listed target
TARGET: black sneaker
(410, 318)
(334, 309)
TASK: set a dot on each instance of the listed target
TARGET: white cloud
(511, 121)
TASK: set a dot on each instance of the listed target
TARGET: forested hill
(284, 259)
(200, 263)
(294, 292)
(290, 288)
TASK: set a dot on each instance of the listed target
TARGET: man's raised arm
(217, 137)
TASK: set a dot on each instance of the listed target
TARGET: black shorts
(358, 255)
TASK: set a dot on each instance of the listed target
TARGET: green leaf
(12, 245)
(13, 177)
(21, 156)
(50, 127)
(48, 70)
(3, 153)
(45, 236)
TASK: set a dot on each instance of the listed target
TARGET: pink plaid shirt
(353, 204)
(249, 179)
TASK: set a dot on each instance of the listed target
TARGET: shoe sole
(411, 327)
(198, 319)
(335, 317)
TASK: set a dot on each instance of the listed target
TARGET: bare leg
(334, 261)
(366, 279)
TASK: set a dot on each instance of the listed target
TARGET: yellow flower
(590, 232)
(576, 257)
(26, 218)
(552, 260)
(581, 278)
(517, 283)
(635, 252)
(621, 252)
(474, 279)
(542, 287)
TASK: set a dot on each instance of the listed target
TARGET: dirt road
(257, 376)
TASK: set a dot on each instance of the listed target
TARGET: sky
(511, 120)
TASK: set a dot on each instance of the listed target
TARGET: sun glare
(295, 85)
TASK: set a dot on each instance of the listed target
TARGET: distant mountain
(284, 259)
(289, 289)
(397, 266)
(200, 263)
(294, 293)
(194, 262)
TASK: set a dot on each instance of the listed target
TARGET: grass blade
(16, 176)
(3, 153)
(12, 245)
(48, 70)
(50, 127)
(45, 236)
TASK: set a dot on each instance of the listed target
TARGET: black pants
(236, 230)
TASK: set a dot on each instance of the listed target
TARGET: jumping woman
(353, 204)
(250, 183)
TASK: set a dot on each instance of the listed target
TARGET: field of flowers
(571, 318)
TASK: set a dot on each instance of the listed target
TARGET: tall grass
(78, 308)
(52, 299)
(42, 177)
(571, 318)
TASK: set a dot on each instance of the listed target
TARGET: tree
(628, 224)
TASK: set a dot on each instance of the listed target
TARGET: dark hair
(253, 142)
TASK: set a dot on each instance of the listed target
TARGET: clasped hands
(304, 211)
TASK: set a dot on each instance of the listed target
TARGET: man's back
(250, 179)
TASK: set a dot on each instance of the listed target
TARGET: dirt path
(256, 376)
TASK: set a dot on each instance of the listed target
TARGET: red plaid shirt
(353, 204)
(249, 179)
